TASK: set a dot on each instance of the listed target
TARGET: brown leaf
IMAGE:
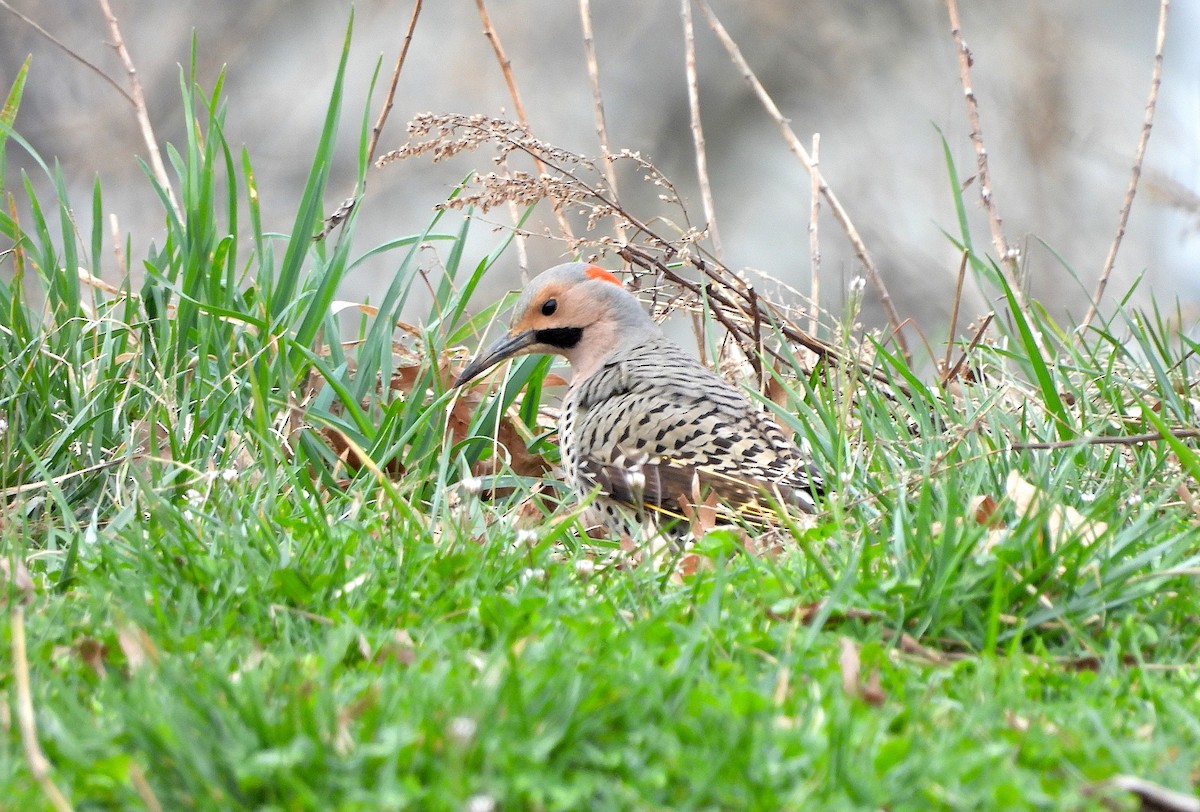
(986, 511)
(873, 693)
(689, 563)
(92, 653)
(345, 451)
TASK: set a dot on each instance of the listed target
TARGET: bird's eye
(549, 306)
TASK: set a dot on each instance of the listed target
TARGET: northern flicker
(644, 425)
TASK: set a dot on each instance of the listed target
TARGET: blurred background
(1061, 86)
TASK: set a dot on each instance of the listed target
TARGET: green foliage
(223, 607)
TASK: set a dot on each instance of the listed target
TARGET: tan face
(555, 306)
(553, 321)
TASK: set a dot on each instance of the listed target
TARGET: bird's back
(653, 428)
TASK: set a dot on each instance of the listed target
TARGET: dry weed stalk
(1007, 256)
(689, 49)
(391, 93)
(814, 234)
(139, 105)
(575, 182)
(514, 93)
(593, 66)
(1135, 171)
(62, 46)
(797, 149)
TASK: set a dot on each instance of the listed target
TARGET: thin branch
(797, 149)
(65, 49)
(593, 66)
(1136, 171)
(493, 37)
(814, 238)
(39, 765)
(391, 94)
(1005, 255)
(1124, 439)
(139, 104)
(693, 87)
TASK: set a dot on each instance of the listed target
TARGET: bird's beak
(504, 348)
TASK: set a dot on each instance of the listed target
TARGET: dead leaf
(1188, 498)
(400, 648)
(1062, 522)
(986, 511)
(873, 693)
(849, 663)
(14, 577)
(92, 653)
(136, 645)
(689, 563)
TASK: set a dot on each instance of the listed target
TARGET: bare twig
(1005, 255)
(593, 66)
(814, 237)
(1124, 439)
(39, 765)
(139, 104)
(493, 37)
(391, 94)
(693, 87)
(67, 50)
(835, 205)
(1135, 171)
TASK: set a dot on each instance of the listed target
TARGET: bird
(645, 429)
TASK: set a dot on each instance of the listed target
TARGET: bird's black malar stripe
(563, 338)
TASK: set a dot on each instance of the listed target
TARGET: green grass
(224, 616)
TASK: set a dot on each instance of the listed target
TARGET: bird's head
(576, 310)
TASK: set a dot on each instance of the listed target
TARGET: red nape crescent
(596, 272)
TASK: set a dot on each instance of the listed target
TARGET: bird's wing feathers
(657, 436)
(665, 486)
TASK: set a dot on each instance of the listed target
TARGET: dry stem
(391, 94)
(1005, 255)
(493, 37)
(1124, 439)
(814, 240)
(63, 47)
(689, 45)
(139, 104)
(39, 765)
(835, 205)
(1135, 171)
(593, 66)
